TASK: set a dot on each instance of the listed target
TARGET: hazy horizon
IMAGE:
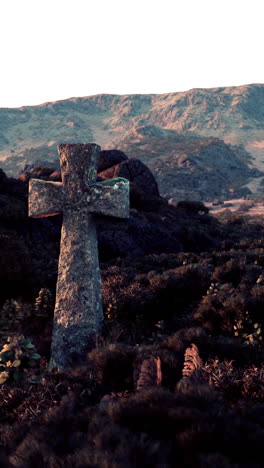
(53, 51)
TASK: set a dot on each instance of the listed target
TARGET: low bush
(17, 355)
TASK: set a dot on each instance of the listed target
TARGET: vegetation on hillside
(178, 377)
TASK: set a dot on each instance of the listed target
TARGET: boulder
(109, 158)
(135, 171)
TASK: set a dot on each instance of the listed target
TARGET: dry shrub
(217, 313)
(223, 376)
(150, 373)
(152, 295)
(112, 366)
(170, 363)
(156, 262)
(231, 272)
(253, 382)
(154, 412)
(235, 382)
(122, 297)
(183, 338)
(232, 349)
(177, 288)
(250, 276)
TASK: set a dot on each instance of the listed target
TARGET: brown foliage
(150, 373)
(192, 361)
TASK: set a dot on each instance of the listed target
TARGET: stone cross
(78, 313)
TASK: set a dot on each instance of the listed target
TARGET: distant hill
(200, 144)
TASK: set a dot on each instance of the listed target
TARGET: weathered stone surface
(135, 171)
(78, 311)
(109, 158)
(45, 198)
(110, 198)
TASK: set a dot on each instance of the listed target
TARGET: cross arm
(110, 198)
(45, 198)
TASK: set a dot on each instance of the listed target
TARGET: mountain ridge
(30, 134)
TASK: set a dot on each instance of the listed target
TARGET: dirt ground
(240, 205)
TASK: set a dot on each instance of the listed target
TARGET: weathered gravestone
(78, 311)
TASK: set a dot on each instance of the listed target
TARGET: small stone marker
(78, 313)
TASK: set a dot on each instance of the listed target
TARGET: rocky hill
(200, 144)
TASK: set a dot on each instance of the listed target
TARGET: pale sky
(57, 49)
